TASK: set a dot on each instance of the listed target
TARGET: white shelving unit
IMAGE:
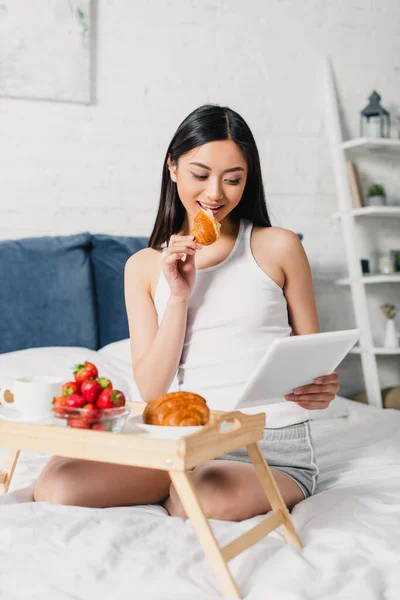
(341, 151)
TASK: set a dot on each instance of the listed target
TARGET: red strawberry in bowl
(84, 371)
(78, 423)
(75, 401)
(58, 405)
(99, 427)
(90, 390)
(91, 413)
(110, 399)
(104, 382)
(71, 387)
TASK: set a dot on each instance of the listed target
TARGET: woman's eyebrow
(198, 164)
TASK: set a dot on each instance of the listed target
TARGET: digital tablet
(290, 362)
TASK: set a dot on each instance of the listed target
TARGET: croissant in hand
(177, 409)
(206, 229)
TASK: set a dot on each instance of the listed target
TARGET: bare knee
(216, 491)
(55, 485)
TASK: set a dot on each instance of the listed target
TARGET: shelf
(378, 350)
(372, 144)
(376, 211)
(343, 151)
(395, 278)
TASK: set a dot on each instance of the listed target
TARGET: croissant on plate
(206, 228)
(177, 409)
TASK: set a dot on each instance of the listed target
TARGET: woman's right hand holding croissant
(178, 265)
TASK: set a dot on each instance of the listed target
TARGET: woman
(199, 320)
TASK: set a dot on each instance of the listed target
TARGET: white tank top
(235, 311)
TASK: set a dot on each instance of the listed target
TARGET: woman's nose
(214, 192)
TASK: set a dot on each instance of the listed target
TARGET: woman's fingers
(180, 242)
(331, 378)
(317, 395)
(315, 388)
(180, 247)
(173, 258)
(324, 384)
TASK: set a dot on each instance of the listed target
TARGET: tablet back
(295, 361)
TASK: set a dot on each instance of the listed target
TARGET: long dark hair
(210, 123)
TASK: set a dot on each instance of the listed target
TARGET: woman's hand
(318, 395)
(178, 265)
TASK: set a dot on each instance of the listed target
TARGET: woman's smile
(215, 208)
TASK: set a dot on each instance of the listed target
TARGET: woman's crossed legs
(227, 490)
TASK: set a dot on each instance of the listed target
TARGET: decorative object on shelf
(354, 184)
(395, 255)
(365, 265)
(374, 119)
(386, 265)
(376, 195)
(391, 337)
(390, 397)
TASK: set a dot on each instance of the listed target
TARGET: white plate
(161, 431)
(12, 414)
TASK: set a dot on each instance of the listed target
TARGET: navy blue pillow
(109, 255)
(46, 293)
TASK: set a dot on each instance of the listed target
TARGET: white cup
(33, 396)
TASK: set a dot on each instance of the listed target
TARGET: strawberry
(58, 404)
(84, 371)
(78, 423)
(104, 382)
(71, 387)
(90, 413)
(74, 401)
(99, 427)
(110, 399)
(90, 390)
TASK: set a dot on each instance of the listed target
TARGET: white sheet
(350, 528)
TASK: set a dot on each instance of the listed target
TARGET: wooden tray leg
(273, 494)
(9, 468)
(212, 550)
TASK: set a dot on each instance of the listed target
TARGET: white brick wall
(67, 168)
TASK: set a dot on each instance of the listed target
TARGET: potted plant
(391, 337)
(376, 195)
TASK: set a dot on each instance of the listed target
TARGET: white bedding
(350, 528)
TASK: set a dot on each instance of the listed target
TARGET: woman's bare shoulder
(279, 238)
(144, 264)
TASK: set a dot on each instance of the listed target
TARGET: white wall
(66, 168)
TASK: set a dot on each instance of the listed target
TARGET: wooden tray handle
(226, 422)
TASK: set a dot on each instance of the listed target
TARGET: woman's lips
(213, 210)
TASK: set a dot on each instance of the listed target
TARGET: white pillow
(118, 355)
(120, 350)
(60, 361)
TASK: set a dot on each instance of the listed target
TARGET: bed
(350, 528)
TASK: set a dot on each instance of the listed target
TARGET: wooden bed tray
(175, 456)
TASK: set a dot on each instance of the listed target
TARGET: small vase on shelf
(376, 195)
(391, 336)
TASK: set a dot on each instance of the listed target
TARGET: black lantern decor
(374, 120)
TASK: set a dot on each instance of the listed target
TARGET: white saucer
(12, 414)
(161, 431)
